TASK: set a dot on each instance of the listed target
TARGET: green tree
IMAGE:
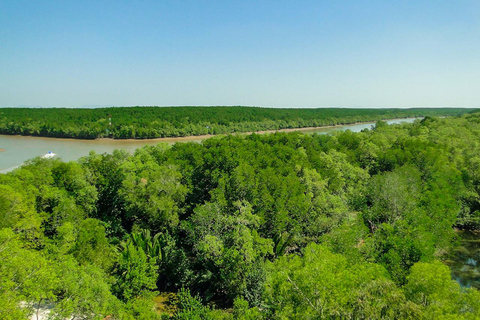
(229, 251)
(92, 246)
(152, 193)
(430, 286)
(325, 285)
(135, 273)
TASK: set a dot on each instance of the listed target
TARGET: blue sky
(256, 53)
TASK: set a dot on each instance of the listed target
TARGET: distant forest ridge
(159, 122)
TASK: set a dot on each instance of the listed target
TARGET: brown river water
(18, 149)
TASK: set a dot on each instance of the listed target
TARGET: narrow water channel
(464, 260)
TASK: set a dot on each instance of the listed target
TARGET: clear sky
(257, 53)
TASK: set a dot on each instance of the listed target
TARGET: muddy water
(18, 149)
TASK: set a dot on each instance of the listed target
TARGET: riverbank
(21, 148)
(149, 122)
(207, 136)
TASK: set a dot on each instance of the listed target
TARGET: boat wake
(50, 154)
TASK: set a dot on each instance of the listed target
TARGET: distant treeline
(159, 122)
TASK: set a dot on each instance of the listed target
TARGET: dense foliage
(277, 226)
(158, 122)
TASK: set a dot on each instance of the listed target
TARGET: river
(18, 149)
(15, 150)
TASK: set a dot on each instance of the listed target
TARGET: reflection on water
(465, 260)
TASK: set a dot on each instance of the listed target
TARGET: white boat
(50, 154)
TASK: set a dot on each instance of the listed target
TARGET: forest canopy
(159, 122)
(275, 226)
